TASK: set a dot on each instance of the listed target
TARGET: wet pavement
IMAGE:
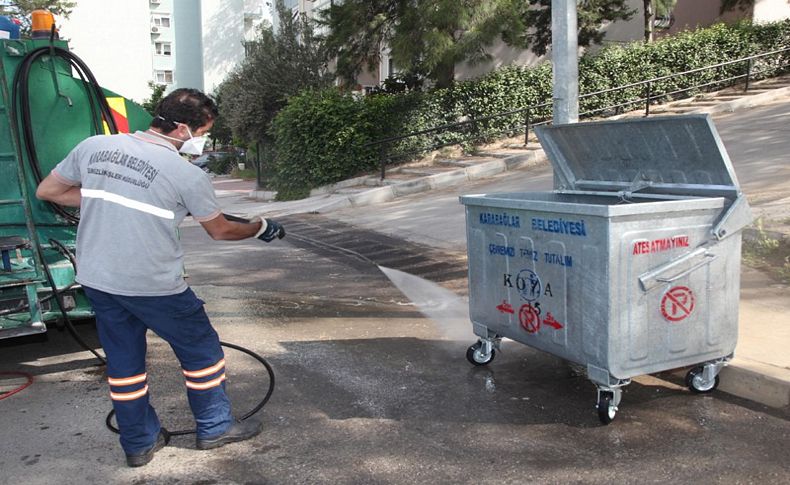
(370, 391)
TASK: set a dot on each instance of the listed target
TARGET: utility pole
(565, 62)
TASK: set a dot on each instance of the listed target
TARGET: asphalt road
(757, 141)
(370, 391)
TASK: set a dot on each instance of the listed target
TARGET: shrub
(317, 140)
(222, 165)
(324, 136)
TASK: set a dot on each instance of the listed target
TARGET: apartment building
(690, 14)
(686, 14)
(175, 43)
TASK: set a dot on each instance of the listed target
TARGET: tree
(656, 9)
(533, 28)
(21, 9)
(220, 132)
(278, 65)
(157, 93)
(429, 37)
(741, 5)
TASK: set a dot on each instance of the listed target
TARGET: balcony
(253, 9)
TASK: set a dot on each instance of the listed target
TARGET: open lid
(678, 155)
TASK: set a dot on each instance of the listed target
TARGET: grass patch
(765, 252)
(246, 174)
(284, 194)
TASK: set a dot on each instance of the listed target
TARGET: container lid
(679, 155)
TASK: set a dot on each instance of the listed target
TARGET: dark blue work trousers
(180, 320)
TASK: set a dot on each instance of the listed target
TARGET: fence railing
(650, 91)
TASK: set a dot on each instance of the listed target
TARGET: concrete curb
(484, 170)
(487, 169)
(342, 203)
(447, 179)
(756, 381)
(372, 196)
(748, 101)
(411, 187)
(343, 184)
(386, 193)
(451, 178)
(263, 195)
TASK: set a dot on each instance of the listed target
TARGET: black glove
(273, 230)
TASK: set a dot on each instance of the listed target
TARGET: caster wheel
(697, 385)
(606, 408)
(475, 355)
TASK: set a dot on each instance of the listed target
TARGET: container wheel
(475, 355)
(696, 384)
(606, 407)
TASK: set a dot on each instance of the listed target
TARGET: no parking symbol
(677, 303)
(529, 317)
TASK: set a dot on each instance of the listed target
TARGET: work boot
(143, 457)
(238, 431)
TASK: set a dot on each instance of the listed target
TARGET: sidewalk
(761, 368)
(449, 171)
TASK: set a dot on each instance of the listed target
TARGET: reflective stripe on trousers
(122, 322)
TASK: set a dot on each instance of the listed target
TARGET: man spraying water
(133, 191)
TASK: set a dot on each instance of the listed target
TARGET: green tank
(49, 104)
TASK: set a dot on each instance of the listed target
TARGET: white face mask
(193, 146)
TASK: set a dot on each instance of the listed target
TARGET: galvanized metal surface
(615, 281)
(666, 155)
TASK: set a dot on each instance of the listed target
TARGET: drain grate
(335, 239)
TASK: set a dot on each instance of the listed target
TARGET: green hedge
(321, 136)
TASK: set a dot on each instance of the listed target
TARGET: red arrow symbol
(551, 322)
(505, 307)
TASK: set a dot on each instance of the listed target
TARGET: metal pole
(564, 54)
(647, 100)
(526, 127)
(381, 157)
(258, 165)
(748, 74)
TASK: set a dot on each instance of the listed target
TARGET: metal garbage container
(630, 266)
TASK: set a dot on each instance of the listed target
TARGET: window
(161, 22)
(163, 48)
(249, 47)
(163, 77)
(664, 14)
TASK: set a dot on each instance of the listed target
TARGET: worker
(133, 191)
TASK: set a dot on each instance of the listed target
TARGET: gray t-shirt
(136, 189)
